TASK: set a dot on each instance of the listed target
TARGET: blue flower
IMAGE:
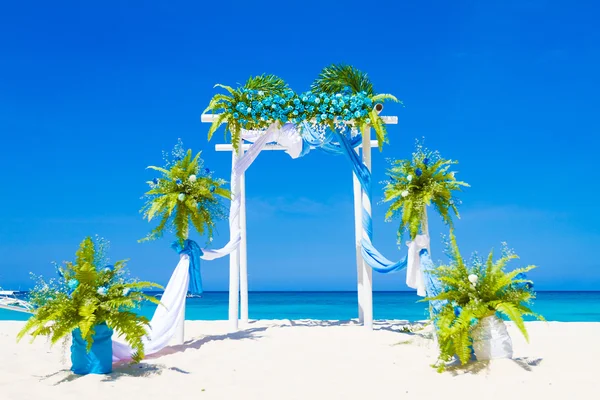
(212, 188)
(418, 172)
(178, 181)
(356, 114)
(155, 181)
(72, 284)
(207, 170)
(426, 161)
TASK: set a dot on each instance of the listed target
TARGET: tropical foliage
(475, 290)
(235, 108)
(414, 184)
(89, 292)
(341, 78)
(341, 95)
(185, 194)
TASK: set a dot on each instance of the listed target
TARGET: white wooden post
(234, 257)
(358, 237)
(425, 228)
(243, 252)
(367, 272)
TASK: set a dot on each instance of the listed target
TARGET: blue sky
(90, 95)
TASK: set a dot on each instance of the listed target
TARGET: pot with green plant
(89, 301)
(475, 294)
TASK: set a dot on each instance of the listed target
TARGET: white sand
(312, 360)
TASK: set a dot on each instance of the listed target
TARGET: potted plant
(89, 301)
(475, 294)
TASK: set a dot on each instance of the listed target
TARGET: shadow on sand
(124, 369)
(475, 367)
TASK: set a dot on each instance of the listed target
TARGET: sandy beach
(311, 360)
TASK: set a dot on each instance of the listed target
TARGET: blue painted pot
(99, 358)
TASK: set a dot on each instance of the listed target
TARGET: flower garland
(335, 99)
(185, 193)
(416, 183)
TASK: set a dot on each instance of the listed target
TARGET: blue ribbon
(194, 252)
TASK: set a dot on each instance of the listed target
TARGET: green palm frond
(267, 83)
(184, 194)
(336, 78)
(417, 183)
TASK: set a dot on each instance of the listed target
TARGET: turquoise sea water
(555, 306)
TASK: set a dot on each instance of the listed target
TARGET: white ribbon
(287, 137)
(414, 274)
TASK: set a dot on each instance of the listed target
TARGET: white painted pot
(491, 339)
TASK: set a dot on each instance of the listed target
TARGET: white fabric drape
(164, 321)
(414, 275)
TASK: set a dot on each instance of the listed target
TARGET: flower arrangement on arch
(416, 183)
(186, 194)
(473, 293)
(341, 95)
(89, 296)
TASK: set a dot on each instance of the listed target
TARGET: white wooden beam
(269, 147)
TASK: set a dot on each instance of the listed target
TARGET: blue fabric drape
(371, 255)
(194, 252)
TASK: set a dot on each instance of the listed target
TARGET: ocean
(554, 306)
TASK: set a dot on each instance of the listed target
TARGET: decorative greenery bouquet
(87, 293)
(474, 292)
(415, 184)
(185, 193)
(341, 95)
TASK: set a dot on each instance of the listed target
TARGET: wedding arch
(288, 139)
